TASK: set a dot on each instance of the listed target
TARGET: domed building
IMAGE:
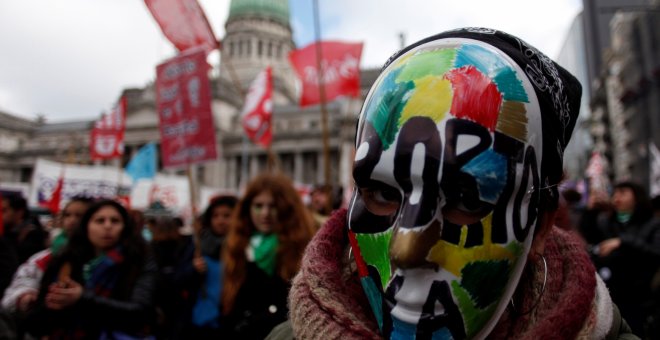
(258, 34)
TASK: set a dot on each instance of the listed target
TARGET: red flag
(183, 102)
(341, 70)
(184, 23)
(258, 109)
(53, 204)
(107, 136)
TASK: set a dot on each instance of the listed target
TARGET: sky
(70, 59)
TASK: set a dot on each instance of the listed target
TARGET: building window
(240, 48)
(270, 48)
(260, 47)
(249, 47)
(279, 51)
(231, 49)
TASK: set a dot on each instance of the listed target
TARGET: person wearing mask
(268, 233)
(627, 254)
(102, 283)
(449, 233)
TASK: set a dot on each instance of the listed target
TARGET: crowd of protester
(108, 272)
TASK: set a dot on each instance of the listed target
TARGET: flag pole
(324, 111)
(193, 209)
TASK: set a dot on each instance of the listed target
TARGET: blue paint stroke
(489, 63)
(374, 297)
(402, 330)
(442, 334)
(490, 171)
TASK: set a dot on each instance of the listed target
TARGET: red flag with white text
(183, 102)
(341, 70)
(107, 136)
(184, 23)
(257, 112)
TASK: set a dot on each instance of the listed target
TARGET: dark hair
(79, 249)
(16, 202)
(571, 196)
(218, 201)
(79, 199)
(643, 210)
(655, 203)
(165, 228)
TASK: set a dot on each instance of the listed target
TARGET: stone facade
(626, 98)
(297, 143)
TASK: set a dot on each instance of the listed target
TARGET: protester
(25, 234)
(101, 285)
(173, 253)
(627, 254)
(208, 287)
(8, 264)
(319, 204)
(449, 232)
(22, 293)
(269, 231)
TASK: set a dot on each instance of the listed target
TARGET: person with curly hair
(267, 236)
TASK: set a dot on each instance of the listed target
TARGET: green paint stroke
(516, 248)
(485, 280)
(375, 251)
(385, 114)
(473, 317)
(436, 62)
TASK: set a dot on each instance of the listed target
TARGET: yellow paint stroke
(431, 98)
(512, 120)
(401, 61)
(453, 257)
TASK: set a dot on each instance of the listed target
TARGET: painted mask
(446, 171)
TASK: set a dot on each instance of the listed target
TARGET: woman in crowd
(449, 233)
(207, 281)
(268, 234)
(173, 253)
(101, 285)
(22, 293)
(626, 250)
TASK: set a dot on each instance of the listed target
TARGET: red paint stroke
(361, 265)
(475, 96)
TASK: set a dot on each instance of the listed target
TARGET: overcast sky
(70, 59)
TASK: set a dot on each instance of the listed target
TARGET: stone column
(320, 166)
(298, 167)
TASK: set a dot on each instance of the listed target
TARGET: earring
(538, 300)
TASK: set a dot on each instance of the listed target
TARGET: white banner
(171, 191)
(79, 180)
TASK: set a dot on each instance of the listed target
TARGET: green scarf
(264, 247)
(89, 267)
(58, 242)
(623, 217)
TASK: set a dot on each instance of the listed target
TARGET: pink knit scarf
(327, 301)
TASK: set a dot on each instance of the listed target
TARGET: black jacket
(93, 314)
(260, 305)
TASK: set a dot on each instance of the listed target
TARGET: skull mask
(446, 171)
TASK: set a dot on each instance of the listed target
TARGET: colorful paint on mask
(449, 132)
